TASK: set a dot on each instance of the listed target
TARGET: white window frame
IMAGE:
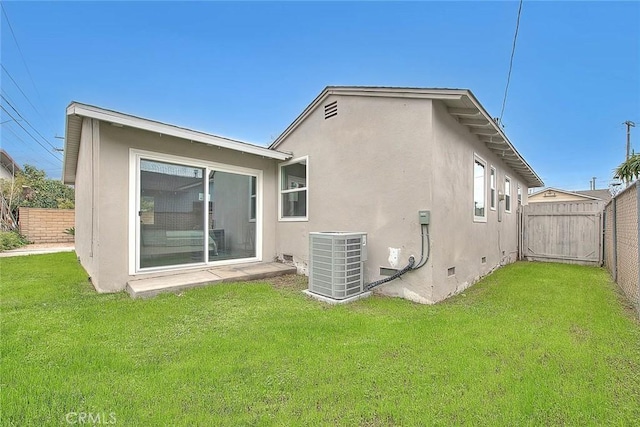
(481, 161)
(304, 159)
(507, 194)
(493, 191)
(253, 198)
(135, 156)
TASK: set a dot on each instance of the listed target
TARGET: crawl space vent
(330, 110)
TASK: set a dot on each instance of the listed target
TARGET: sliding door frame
(134, 232)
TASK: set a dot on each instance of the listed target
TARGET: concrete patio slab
(177, 282)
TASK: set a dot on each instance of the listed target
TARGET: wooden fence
(567, 232)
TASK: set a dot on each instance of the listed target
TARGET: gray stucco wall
(112, 197)
(370, 170)
(457, 241)
(86, 217)
(379, 161)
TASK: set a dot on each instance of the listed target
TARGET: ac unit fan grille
(336, 264)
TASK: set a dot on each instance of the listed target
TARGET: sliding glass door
(171, 214)
(194, 214)
(232, 231)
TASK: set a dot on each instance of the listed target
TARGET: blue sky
(246, 70)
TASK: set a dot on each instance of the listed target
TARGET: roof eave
(78, 110)
(521, 167)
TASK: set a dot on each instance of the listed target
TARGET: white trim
(518, 194)
(510, 181)
(252, 198)
(135, 155)
(493, 197)
(452, 98)
(478, 159)
(304, 159)
(115, 117)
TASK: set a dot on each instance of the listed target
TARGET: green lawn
(532, 344)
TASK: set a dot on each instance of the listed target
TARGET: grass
(532, 344)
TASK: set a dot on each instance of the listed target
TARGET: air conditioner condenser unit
(336, 263)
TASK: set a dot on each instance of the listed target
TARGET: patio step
(177, 282)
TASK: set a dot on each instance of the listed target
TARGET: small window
(293, 190)
(507, 194)
(252, 200)
(479, 190)
(493, 188)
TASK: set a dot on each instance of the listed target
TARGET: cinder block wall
(46, 225)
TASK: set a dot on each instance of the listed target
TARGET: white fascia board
(166, 129)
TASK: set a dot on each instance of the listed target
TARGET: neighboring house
(8, 170)
(556, 195)
(152, 198)
(8, 167)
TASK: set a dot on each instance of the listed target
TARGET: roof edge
(563, 191)
(427, 93)
(77, 109)
(405, 92)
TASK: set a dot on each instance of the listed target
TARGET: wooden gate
(569, 232)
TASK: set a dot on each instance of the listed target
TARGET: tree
(629, 170)
(32, 188)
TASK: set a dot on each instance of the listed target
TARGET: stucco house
(550, 194)
(8, 166)
(157, 199)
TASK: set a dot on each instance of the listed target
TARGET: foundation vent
(330, 110)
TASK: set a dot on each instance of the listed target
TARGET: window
(293, 190)
(185, 211)
(507, 194)
(479, 191)
(493, 188)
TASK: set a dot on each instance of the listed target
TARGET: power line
(30, 148)
(27, 122)
(513, 51)
(22, 92)
(29, 133)
(15, 39)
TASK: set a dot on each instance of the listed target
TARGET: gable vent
(330, 110)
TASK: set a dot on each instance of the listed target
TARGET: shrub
(11, 240)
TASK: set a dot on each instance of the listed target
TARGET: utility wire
(29, 133)
(21, 91)
(513, 51)
(15, 39)
(27, 122)
(30, 148)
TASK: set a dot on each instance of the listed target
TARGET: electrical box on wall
(425, 217)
